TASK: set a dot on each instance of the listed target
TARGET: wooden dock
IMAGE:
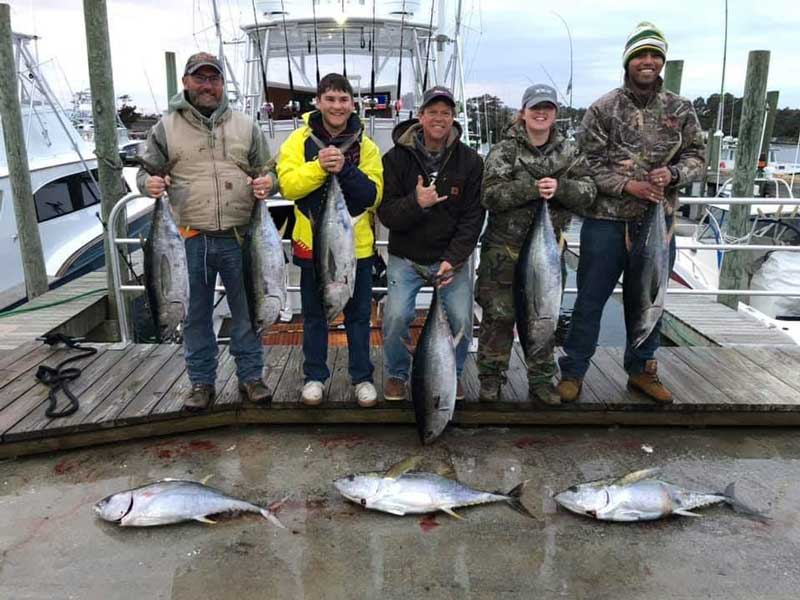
(137, 392)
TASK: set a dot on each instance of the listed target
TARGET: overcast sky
(507, 42)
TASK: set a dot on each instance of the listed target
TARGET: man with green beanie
(642, 143)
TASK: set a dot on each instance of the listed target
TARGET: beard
(205, 103)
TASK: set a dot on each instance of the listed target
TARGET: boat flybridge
(389, 51)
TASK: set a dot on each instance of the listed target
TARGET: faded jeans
(206, 256)
(404, 282)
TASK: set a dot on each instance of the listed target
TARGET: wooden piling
(172, 75)
(673, 73)
(18, 172)
(109, 164)
(734, 273)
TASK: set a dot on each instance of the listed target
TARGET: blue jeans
(602, 261)
(206, 256)
(356, 323)
(404, 282)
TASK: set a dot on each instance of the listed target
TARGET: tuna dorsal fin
(562, 242)
(404, 466)
(635, 476)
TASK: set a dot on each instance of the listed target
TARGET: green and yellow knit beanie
(646, 36)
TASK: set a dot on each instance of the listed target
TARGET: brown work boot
(490, 389)
(459, 391)
(255, 391)
(569, 389)
(199, 397)
(649, 384)
(543, 394)
(395, 389)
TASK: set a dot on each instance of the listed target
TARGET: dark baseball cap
(539, 92)
(437, 92)
(202, 59)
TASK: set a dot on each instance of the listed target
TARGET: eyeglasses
(201, 79)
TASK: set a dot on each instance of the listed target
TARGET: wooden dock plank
(107, 411)
(102, 386)
(9, 357)
(275, 360)
(617, 396)
(27, 411)
(172, 404)
(689, 388)
(288, 389)
(151, 394)
(776, 362)
(588, 400)
(228, 394)
(470, 381)
(338, 389)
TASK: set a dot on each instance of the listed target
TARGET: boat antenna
(372, 48)
(288, 59)
(344, 45)
(267, 103)
(428, 50)
(721, 105)
(400, 59)
(316, 51)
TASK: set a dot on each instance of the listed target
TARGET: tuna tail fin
(270, 516)
(740, 507)
(513, 498)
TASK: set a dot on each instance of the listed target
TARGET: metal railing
(120, 288)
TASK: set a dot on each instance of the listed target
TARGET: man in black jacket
(431, 206)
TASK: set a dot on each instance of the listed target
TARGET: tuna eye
(351, 478)
(573, 489)
(363, 502)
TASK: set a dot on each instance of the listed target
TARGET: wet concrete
(52, 546)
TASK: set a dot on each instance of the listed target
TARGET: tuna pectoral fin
(269, 516)
(740, 507)
(628, 241)
(458, 337)
(205, 520)
(685, 513)
(452, 513)
(513, 498)
(404, 466)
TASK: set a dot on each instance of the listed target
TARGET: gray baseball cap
(437, 92)
(202, 59)
(537, 93)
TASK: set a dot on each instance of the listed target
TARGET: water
(612, 325)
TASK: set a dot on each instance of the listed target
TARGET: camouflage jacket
(624, 138)
(509, 184)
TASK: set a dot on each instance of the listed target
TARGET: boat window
(89, 191)
(53, 200)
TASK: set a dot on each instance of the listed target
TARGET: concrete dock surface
(52, 546)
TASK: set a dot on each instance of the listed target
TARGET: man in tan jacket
(200, 153)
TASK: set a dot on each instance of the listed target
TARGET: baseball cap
(437, 92)
(537, 93)
(202, 59)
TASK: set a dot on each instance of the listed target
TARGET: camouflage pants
(494, 293)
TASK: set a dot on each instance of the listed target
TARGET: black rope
(316, 51)
(400, 60)
(288, 59)
(344, 46)
(428, 51)
(57, 377)
(261, 56)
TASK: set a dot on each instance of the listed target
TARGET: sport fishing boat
(64, 184)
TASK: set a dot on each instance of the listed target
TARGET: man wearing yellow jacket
(307, 158)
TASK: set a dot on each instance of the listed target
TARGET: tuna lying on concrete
(434, 381)
(263, 265)
(172, 501)
(646, 276)
(401, 491)
(334, 251)
(639, 497)
(537, 284)
(166, 275)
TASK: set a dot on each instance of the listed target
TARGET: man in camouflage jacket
(642, 143)
(511, 193)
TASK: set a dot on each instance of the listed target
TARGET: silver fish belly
(166, 273)
(264, 269)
